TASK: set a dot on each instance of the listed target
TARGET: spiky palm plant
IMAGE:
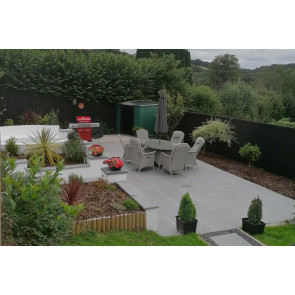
(44, 145)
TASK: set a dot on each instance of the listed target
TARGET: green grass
(283, 235)
(131, 238)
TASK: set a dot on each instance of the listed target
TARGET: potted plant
(96, 150)
(253, 224)
(186, 221)
(114, 163)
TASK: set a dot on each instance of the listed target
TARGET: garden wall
(18, 102)
(276, 143)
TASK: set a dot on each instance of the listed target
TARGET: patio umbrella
(161, 125)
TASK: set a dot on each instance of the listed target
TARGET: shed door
(127, 119)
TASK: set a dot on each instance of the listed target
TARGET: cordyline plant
(44, 145)
(29, 117)
(70, 193)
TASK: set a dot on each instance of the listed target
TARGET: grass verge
(131, 238)
(283, 235)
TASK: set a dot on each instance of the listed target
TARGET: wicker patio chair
(142, 134)
(193, 153)
(139, 158)
(127, 150)
(176, 161)
(177, 137)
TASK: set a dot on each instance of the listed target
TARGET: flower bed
(99, 214)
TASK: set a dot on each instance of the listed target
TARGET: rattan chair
(175, 162)
(139, 158)
(127, 150)
(142, 134)
(193, 152)
(177, 137)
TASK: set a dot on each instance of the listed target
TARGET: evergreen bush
(74, 150)
(215, 130)
(187, 210)
(32, 211)
(8, 122)
(129, 204)
(10, 146)
(255, 211)
(250, 152)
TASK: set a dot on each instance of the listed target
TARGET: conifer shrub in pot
(253, 224)
(186, 221)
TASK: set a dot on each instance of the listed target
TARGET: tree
(238, 100)
(223, 68)
(175, 111)
(203, 99)
(183, 55)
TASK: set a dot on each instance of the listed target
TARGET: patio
(221, 198)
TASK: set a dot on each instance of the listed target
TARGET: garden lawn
(283, 235)
(132, 238)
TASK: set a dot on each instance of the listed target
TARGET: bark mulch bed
(97, 198)
(279, 184)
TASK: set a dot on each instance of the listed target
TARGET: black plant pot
(186, 227)
(253, 229)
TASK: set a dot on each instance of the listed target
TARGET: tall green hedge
(95, 76)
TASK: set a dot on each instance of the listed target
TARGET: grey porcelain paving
(221, 198)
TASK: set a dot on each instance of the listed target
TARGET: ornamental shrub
(215, 130)
(74, 150)
(73, 135)
(11, 147)
(255, 211)
(250, 152)
(8, 122)
(32, 211)
(129, 204)
(187, 210)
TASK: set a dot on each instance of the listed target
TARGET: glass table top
(158, 144)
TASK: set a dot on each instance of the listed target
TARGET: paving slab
(222, 199)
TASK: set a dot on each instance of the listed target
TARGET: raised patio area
(221, 198)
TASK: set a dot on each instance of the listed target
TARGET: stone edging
(207, 237)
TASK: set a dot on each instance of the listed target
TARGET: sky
(248, 58)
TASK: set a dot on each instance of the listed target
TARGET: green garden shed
(141, 113)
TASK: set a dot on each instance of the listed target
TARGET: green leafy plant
(130, 205)
(255, 211)
(44, 145)
(53, 117)
(74, 149)
(110, 187)
(29, 117)
(11, 147)
(32, 209)
(8, 122)
(215, 130)
(70, 193)
(250, 152)
(175, 111)
(187, 210)
(73, 135)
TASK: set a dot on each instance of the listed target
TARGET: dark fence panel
(276, 143)
(18, 102)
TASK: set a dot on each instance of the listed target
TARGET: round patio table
(158, 145)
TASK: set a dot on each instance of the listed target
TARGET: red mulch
(279, 184)
(97, 200)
